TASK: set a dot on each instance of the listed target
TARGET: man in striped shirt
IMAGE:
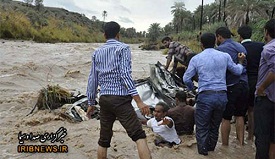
(111, 70)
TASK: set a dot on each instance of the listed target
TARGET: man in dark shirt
(237, 87)
(253, 57)
(183, 115)
(181, 53)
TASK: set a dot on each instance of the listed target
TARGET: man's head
(222, 33)
(161, 110)
(111, 30)
(166, 41)
(269, 29)
(245, 32)
(180, 97)
(208, 40)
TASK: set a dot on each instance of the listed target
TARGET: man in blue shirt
(111, 70)
(211, 66)
(237, 88)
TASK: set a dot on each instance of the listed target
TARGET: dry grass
(53, 97)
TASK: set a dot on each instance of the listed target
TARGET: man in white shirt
(163, 126)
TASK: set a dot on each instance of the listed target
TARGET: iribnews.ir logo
(42, 138)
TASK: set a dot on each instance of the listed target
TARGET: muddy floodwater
(27, 67)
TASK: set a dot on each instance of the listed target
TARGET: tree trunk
(224, 5)
(194, 23)
(247, 17)
(201, 14)
(272, 12)
(220, 6)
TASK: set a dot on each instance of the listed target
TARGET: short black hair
(181, 95)
(208, 40)
(167, 38)
(164, 106)
(270, 28)
(111, 29)
(245, 31)
(224, 32)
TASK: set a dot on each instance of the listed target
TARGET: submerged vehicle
(160, 86)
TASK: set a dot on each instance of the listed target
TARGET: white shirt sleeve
(149, 123)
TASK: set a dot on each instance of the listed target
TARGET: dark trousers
(208, 116)
(118, 107)
(264, 126)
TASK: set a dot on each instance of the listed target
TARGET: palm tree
(201, 14)
(243, 11)
(224, 8)
(220, 5)
(178, 11)
(104, 15)
(154, 32)
(168, 28)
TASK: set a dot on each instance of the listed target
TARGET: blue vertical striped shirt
(111, 71)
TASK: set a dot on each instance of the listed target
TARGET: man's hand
(241, 57)
(90, 111)
(143, 108)
(260, 91)
(167, 122)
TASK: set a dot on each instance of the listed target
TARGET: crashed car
(160, 86)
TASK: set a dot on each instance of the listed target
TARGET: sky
(139, 14)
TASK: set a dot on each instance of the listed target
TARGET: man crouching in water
(163, 126)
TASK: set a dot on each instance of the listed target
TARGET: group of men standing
(232, 78)
(226, 75)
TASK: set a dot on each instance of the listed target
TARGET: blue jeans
(208, 116)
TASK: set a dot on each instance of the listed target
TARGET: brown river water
(27, 67)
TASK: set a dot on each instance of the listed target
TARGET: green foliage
(45, 24)
(38, 3)
(165, 51)
(258, 31)
(14, 26)
(56, 31)
(212, 27)
(154, 32)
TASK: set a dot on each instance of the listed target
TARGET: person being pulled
(181, 53)
(183, 115)
(163, 126)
